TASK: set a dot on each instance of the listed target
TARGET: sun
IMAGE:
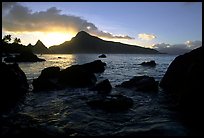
(55, 38)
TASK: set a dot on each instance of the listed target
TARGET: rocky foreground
(13, 85)
(182, 81)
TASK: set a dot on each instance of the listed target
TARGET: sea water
(65, 112)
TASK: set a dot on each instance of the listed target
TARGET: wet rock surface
(141, 83)
(103, 87)
(102, 56)
(13, 85)
(151, 63)
(111, 103)
(183, 81)
(76, 76)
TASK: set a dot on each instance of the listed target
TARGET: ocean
(65, 112)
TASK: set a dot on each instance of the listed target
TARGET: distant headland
(81, 43)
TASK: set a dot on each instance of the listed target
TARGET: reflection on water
(60, 60)
(119, 66)
(33, 70)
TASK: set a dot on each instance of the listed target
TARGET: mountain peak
(39, 43)
(82, 34)
(83, 42)
(39, 47)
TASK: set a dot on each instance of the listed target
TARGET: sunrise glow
(55, 23)
(55, 38)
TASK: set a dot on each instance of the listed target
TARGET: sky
(158, 25)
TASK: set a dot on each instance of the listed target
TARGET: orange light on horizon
(56, 38)
(48, 38)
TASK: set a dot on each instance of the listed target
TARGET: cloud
(110, 35)
(18, 18)
(177, 48)
(161, 45)
(194, 44)
(147, 37)
(7, 5)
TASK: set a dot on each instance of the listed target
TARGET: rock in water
(13, 85)
(112, 103)
(50, 72)
(81, 75)
(47, 79)
(141, 83)
(184, 81)
(77, 76)
(151, 63)
(96, 66)
(103, 87)
(102, 56)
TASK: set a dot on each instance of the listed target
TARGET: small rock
(112, 103)
(151, 63)
(141, 83)
(102, 56)
(103, 87)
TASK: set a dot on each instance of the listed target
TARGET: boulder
(141, 83)
(185, 69)
(96, 66)
(47, 79)
(13, 85)
(103, 87)
(112, 103)
(151, 63)
(50, 72)
(24, 57)
(183, 80)
(77, 76)
(102, 56)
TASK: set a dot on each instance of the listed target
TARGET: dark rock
(13, 85)
(184, 81)
(151, 63)
(77, 76)
(182, 70)
(47, 80)
(102, 56)
(50, 72)
(24, 57)
(45, 85)
(141, 83)
(96, 66)
(112, 103)
(103, 87)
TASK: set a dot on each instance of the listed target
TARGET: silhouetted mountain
(40, 48)
(86, 43)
